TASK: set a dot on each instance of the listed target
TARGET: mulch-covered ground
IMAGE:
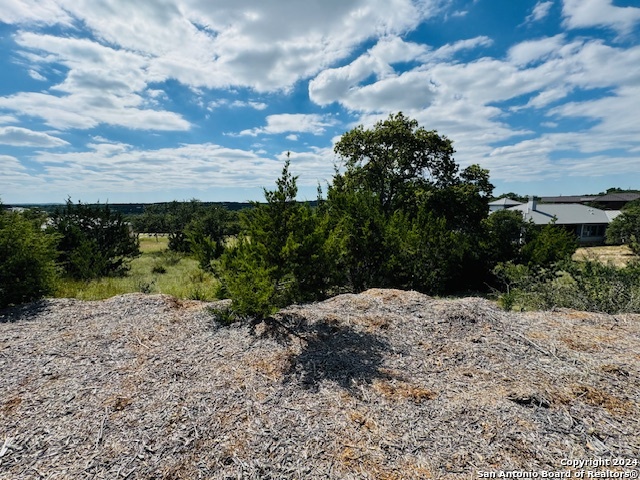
(381, 385)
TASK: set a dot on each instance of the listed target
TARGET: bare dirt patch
(381, 385)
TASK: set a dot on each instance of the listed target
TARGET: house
(502, 203)
(589, 224)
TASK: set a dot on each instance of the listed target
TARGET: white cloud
(616, 116)
(546, 97)
(599, 13)
(292, 122)
(536, 50)
(117, 77)
(202, 44)
(264, 46)
(224, 102)
(390, 50)
(460, 13)
(446, 52)
(540, 11)
(43, 12)
(14, 176)
(36, 75)
(83, 111)
(411, 89)
(9, 164)
(7, 119)
(22, 137)
(249, 104)
(102, 86)
(107, 168)
(464, 101)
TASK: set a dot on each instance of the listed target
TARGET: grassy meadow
(618, 255)
(157, 270)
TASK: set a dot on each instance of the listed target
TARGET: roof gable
(504, 201)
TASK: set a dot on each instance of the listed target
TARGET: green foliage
(625, 228)
(423, 253)
(280, 256)
(94, 241)
(223, 315)
(357, 227)
(589, 285)
(193, 227)
(27, 253)
(395, 160)
(402, 214)
(547, 245)
(513, 196)
(631, 205)
(250, 282)
(504, 233)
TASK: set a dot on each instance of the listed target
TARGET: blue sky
(157, 100)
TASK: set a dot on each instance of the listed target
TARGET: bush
(279, 258)
(590, 286)
(547, 245)
(27, 268)
(423, 253)
(94, 241)
(625, 228)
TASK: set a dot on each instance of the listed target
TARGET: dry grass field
(618, 255)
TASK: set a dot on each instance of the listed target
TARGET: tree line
(398, 213)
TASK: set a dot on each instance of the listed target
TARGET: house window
(593, 230)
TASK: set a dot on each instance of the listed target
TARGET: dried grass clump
(381, 385)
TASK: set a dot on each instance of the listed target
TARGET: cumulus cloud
(23, 137)
(83, 111)
(136, 55)
(107, 167)
(390, 89)
(41, 12)
(600, 13)
(292, 122)
(264, 46)
(103, 86)
(464, 100)
(7, 119)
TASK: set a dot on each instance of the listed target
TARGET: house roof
(504, 201)
(565, 214)
(569, 199)
(611, 214)
(609, 197)
(618, 197)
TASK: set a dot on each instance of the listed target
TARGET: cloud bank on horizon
(172, 99)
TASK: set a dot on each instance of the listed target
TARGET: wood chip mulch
(381, 385)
